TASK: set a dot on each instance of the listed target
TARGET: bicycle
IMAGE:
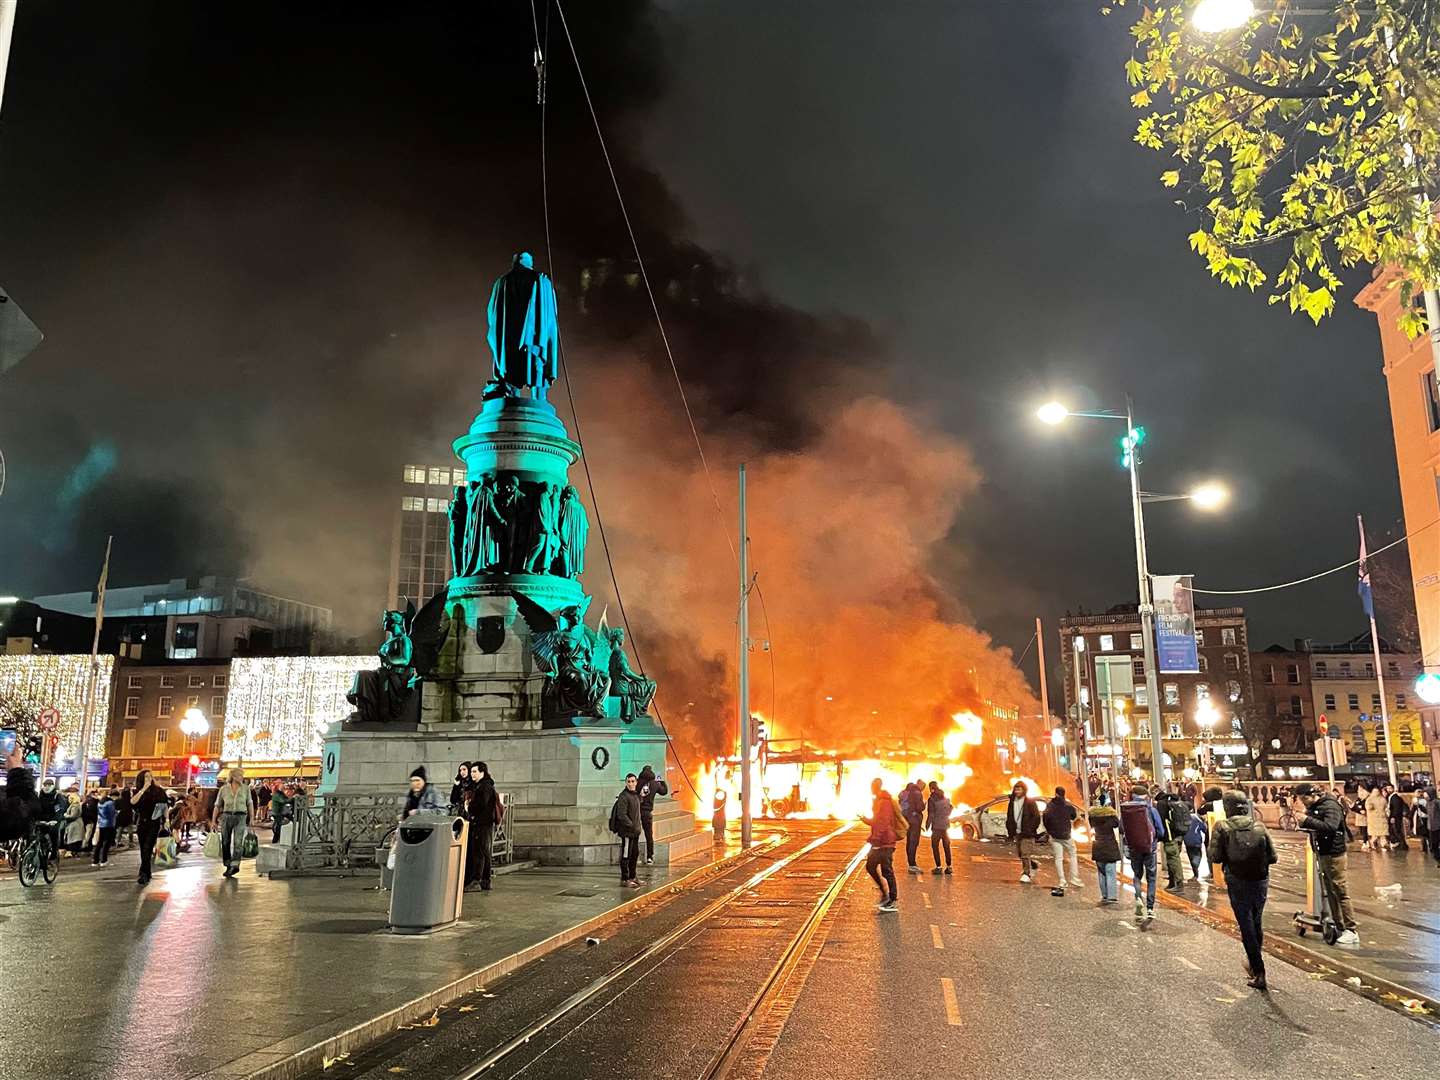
(38, 857)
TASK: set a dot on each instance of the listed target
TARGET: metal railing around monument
(347, 831)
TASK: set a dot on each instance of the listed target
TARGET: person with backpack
(1178, 815)
(1022, 824)
(1143, 829)
(1105, 848)
(649, 786)
(886, 824)
(1242, 847)
(625, 823)
(912, 805)
(937, 818)
(1197, 839)
(1324, 820)
(1059, 819)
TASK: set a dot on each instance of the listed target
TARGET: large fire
(812, 783)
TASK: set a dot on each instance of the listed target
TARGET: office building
(420, 550)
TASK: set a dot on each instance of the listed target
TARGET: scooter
(1322, 908)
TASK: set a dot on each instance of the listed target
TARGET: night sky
(259, 239)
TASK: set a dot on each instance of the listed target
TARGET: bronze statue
(380, 695)
(635, 691)
(483, 529)
(574, 530)
(510, 508)
(524, 333)
(459, 530)
(573, 657)
(544, 530)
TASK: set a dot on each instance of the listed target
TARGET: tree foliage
(1304, 142)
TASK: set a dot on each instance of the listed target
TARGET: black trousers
(879, 862)
(940, 838)
(478, 851)
(147, 832)
(629, 855)
(912, 840)
(647, 823)
(104, 841)
(1247, 901)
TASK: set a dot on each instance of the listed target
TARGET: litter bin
(429, 879)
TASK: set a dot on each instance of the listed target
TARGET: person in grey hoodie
(1243, 849)
(937, 817)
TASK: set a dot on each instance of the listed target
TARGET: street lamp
(1428, 687)
(1218, 16)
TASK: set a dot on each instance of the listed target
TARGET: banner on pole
(1175, 642)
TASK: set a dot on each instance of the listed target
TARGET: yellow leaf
(1171, 178)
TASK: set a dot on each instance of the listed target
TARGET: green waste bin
(429, 883)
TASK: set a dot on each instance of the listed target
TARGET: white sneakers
(1076, 885)
(1025, 879)
(1349, 937)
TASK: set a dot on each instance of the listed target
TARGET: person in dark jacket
(482, 810)
(886, 825)
(647, 787)
(1144, 831)
(1197, 839)
(1242, 847)
(1433, 824)
(1325, 822)
(912, 805)
(20, 805)
(124, 819)
(149, 803)
(1059, 819)
(1396, 809)
(1022, 823)
(89, 817)
(625, 823)
(1178, 814)
(937, 819)
(457, 789)
(1105, 850)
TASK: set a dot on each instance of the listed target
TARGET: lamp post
(1208, 496)
(193, 725)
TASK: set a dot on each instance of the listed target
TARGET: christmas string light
(279, 706)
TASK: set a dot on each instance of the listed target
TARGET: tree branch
(1320, 90)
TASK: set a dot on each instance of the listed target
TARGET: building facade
(207, 616)
(150, 700)
(1201, 712)
(1284, 701)
(33, 683)
(1414, 391)
(1347, 693)
(420, 564)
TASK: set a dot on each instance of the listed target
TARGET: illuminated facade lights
(279, 707)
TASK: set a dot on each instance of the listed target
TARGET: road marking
(952, 1006)
(926, 898)
(1128, 926)
(935, 938)
(1188, 963)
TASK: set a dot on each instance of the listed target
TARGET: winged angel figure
(575, 659)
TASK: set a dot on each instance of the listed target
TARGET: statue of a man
(510, 507)
(574, 530)
(544, 530)
(459, 529)
(524, 333)
(482, 530)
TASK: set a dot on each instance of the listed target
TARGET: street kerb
(299, 1054)
(1318, 964)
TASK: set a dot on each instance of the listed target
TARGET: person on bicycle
(1325, 822)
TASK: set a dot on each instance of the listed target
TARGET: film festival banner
(1175, 623)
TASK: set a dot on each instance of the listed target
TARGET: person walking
(1396, 811)
(1197, 839)
(483, 810)
(1420, 820)
(1022, 823)
(1242, 847)
(1178, 814)
(625, 823)
(938, 809)
(1324, 820)
(912, 805)
(647, 786)
(232, 815)
(1143, 829)
(1059, 819)
(1105, 848)
(148, 803)
(1376, 819)
(105, 813)
(886, 824)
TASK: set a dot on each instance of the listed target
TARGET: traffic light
(757, 729)
(1130, 444)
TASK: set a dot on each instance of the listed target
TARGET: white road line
(926, 898)
(935, 938)
(952, 1006)
(1188, 963)
(1128, 926)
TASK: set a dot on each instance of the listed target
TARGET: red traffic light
(194, 761)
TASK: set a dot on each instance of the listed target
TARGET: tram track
(769, 1002)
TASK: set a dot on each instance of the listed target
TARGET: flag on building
(1367, 601)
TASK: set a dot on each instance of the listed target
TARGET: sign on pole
(49, 718)
(1175, 642)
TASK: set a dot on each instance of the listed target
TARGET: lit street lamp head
(1209, 496)
(1218, 16)
(1052, 412)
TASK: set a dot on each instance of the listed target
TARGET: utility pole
(1147, 607)
(1379, 675)
(87, 724)
(1044, 695)
(744, 690)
